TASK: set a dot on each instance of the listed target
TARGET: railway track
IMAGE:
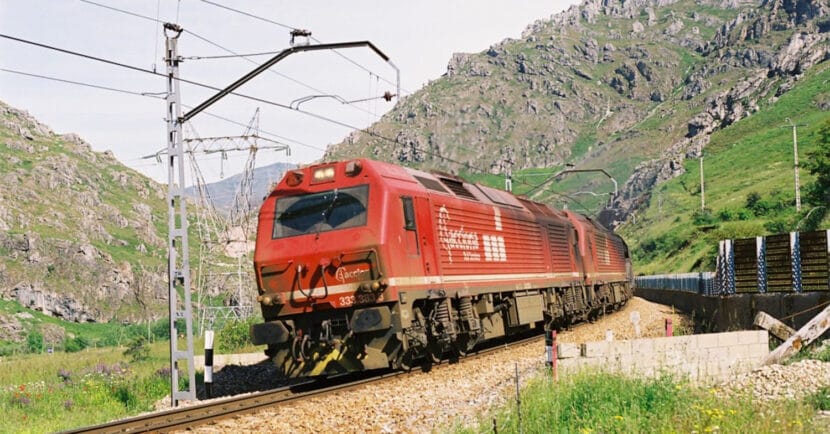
(200, 414)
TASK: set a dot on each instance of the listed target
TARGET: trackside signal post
(178, 255)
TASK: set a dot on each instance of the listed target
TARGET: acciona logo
(342, 274)
(457, 239)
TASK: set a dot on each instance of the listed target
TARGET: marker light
(323, 174)
(353, 168)
(294, 178)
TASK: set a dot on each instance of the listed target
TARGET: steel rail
(200, 414)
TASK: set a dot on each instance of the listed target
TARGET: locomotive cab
(325, 233)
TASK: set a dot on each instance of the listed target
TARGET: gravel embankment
(424, 402)
(775, 382)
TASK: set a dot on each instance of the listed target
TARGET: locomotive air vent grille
(458, 188)
(537, 208)
(431, 184)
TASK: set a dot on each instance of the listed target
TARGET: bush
(34, 342)
(752, 200)
(137, 350)
(75, 344)
(703, 218)
(161, 329)
(821, 399)
(778, 226)
(234, 335)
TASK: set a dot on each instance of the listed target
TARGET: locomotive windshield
(340, 208)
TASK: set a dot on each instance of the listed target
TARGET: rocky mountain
(82, 237)
(634, 87)
(222, 192)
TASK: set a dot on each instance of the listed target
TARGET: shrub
(75, 344)
(778, 226)
(137, 350)
(703, 218)
(234, 335)
(34, 342)
(161, 329)
(752, 200)
(821, 399)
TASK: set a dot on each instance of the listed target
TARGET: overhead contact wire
(206, 40)
(286, 26)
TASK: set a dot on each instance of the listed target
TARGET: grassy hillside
(748, 181)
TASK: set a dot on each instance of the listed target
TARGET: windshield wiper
(327, 212)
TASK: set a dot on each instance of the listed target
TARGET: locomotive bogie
(365, 265)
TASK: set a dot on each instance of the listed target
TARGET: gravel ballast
(456, 394)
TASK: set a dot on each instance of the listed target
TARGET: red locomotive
(364, 265)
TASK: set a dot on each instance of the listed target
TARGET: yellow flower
(678, 387)
(586, 430)
(618, 417)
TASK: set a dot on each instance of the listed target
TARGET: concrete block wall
(706, 357)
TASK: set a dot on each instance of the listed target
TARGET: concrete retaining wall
(705, 357)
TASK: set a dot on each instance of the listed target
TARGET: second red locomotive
(364, 265)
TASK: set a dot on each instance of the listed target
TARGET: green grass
(51, 392)
(753, 155)
(62, 391)
(592, 402)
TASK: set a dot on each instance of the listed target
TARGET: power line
(208, 41)
(257, 17)
(79, 83)
(195, 83)
(120, 10)
(276, 104)
(156, 95)
(230, 56)
(286, 26)
(289, 78)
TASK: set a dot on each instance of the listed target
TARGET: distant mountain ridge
(222, 192)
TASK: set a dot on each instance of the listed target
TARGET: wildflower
(732, 412)
(678, 387)
(618, 417)
(586, 430)
(64, 375)
(22, 387)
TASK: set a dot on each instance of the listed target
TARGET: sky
(419, 37)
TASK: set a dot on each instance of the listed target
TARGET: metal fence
(797, 261)
(700, 283)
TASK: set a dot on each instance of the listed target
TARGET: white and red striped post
(551, 358)
(669, 328)
(208, 363)
(555, 356)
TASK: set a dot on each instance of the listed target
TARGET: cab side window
(408, 213)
